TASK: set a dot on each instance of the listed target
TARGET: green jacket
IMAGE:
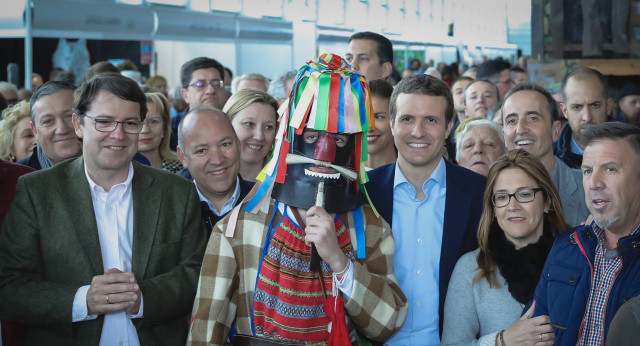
(49, 247)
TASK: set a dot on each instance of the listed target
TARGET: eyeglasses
(109, 125)
(524, 195)
(199, 84)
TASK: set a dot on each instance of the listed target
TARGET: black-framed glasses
(199, 84)
(522, 195)
(132, 127)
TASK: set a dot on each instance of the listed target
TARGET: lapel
(456, 218)
(380, 190)
(567, 188)
(82, 217)
(147, 198)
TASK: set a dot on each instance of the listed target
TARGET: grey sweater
(474, 312)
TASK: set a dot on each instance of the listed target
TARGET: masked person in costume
(260, 279)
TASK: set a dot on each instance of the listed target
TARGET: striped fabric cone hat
(331, 102)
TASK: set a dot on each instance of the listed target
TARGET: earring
(12, 158)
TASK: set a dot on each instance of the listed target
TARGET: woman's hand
(529, 330)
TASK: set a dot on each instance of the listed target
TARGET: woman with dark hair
(490, 286)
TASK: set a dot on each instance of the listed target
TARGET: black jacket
(563, 149)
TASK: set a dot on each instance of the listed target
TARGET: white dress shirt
(114, 217)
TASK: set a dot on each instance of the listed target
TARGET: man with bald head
(586, 102)
(210, 150)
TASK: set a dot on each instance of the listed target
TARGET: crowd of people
(334, 204)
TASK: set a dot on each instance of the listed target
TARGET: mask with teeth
(332, 154)
(322, 138)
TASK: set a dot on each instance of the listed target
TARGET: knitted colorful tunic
(227, 283)
(288, 301)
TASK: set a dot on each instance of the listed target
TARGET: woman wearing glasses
(153, 142)
(490, 286)
(253, 114)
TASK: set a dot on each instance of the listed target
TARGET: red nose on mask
(325, 148)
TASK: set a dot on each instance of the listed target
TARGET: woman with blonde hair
(153, 142)
(158, 83)
(254, 116)
(490, 286)
(17, 140)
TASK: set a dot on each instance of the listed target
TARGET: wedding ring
(540, 337)
(107, 299)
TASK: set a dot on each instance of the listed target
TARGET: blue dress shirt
(417, 231)
(575, 148)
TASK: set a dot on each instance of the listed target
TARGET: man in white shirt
(100, 250)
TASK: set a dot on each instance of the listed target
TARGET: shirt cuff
(345, 284)
(79, 311)
(139, 314)
(488, 340)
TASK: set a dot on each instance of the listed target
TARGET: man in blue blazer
(100, 249)
(433, 206)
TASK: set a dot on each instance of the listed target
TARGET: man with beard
(305, 239)
(586, 102)
(593, 269)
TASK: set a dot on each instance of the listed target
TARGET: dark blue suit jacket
(462, 210)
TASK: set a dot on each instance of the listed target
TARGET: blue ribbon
(341, 108)
(362, 246)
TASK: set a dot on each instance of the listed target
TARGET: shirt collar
(575, 148)
(439, 176)
(97, 188)
(232, 200)
(600, 232)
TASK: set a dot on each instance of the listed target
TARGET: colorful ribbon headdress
(326, 96)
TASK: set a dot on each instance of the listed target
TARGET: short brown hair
(115, 83)
(424, 85)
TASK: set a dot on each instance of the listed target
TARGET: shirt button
(418, 272)
(415, 335)
(418, 303)
(419, 240)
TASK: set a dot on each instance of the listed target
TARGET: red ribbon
(334, 103)
(339, 335)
